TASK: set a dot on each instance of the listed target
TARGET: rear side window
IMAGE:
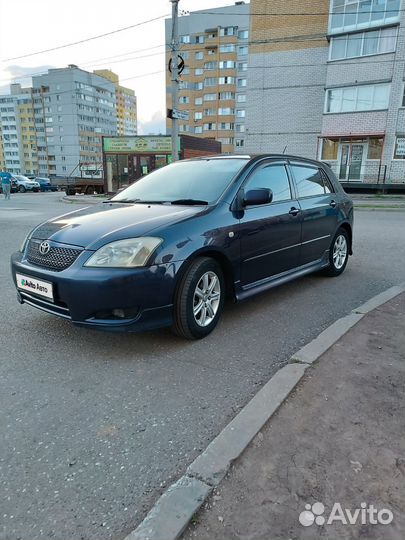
(327, 183)
(273, 177)
(311, 181)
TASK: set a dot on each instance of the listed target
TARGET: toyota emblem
(44, 248)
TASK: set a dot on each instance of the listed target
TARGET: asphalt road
(95, 425)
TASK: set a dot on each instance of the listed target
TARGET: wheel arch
(221, 259)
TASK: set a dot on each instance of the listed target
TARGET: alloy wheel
(339, 251)
(206, 299)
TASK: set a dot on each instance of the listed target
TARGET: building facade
(326, 80)
(126, 104)
(18, 150)
(213, 84)
(73, 109)
(56, 127)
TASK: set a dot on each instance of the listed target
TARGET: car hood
(95, 226)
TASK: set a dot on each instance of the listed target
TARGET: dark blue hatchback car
(168, 249)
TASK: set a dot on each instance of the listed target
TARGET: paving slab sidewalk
(338, 438)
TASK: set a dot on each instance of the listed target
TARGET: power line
(87, 39)
(296, 14)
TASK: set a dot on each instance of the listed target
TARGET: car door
(319, 207)
(270, 234)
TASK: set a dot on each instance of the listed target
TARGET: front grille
(57, 258)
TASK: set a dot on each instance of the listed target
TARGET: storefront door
(351, 161)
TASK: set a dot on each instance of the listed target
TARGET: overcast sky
(27, 26)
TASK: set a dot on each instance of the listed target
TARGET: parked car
(168, 249)
(23, 183)
(45, 184)
(12, 180)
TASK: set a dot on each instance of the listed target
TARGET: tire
(203, 274)
(338, 254)
(22, 189)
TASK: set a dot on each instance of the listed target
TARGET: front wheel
(199, 300)
(22, 189)
(338, 254)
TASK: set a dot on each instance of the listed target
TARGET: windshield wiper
(130, 201)
(189, 202)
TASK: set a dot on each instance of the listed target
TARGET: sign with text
(137, 144)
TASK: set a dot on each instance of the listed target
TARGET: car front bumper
(88, 296)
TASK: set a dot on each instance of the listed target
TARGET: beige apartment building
(126, 104)
(213, 83)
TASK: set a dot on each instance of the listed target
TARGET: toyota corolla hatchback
(171, 247)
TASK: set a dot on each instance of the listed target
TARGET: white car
(25, 184)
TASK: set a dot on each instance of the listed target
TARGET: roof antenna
(285, 148)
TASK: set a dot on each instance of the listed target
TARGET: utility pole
(175, 76)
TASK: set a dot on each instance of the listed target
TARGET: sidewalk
(338, 438)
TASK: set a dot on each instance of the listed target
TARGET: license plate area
(43, 289)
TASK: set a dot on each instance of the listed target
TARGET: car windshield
(21, 177)
(184, 182)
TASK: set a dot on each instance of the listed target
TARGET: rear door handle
(294, 211)
(332, 203)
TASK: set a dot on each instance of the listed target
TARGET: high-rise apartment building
(73, 110)
(55, 128)
(326, 80)
(213, 84)
(126, 104)
(17, 131)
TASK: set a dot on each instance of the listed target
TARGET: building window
(225, 111)
(227, 48)
(357, 98)
(240, 128)
(198, 115)
(240, 142)
(375, 146)
(227, 64)
(225, 140)
(243, 34)
(228, 31)
(330, 149)
(198, 71)
(226, 80)
(226, 95)
(198, 101)
(199, 39)
(226, 125)
(184, 99)
(241, 98)
(363, 44)
(356, 14)
(403, 98)
(210, 97)
(199, 55)
(185, 39)
(210, 126)
(198, 129)
(241, 82)
(210, 81)
(210, 112)
(242, 66)
(399, 150)
(242, 50)
(241, 113)
(210, 65)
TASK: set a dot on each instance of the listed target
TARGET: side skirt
(274, 281)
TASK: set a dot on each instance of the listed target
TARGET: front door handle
(332, 203)
(294, 211)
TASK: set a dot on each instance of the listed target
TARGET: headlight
(125, 253)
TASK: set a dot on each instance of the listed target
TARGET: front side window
(309, 181)
(272, 177)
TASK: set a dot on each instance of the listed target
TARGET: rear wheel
(338, 254)
(199, 300)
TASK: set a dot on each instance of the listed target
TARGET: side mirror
(254, 197)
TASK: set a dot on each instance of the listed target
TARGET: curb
(173, 511)
(80, 199)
